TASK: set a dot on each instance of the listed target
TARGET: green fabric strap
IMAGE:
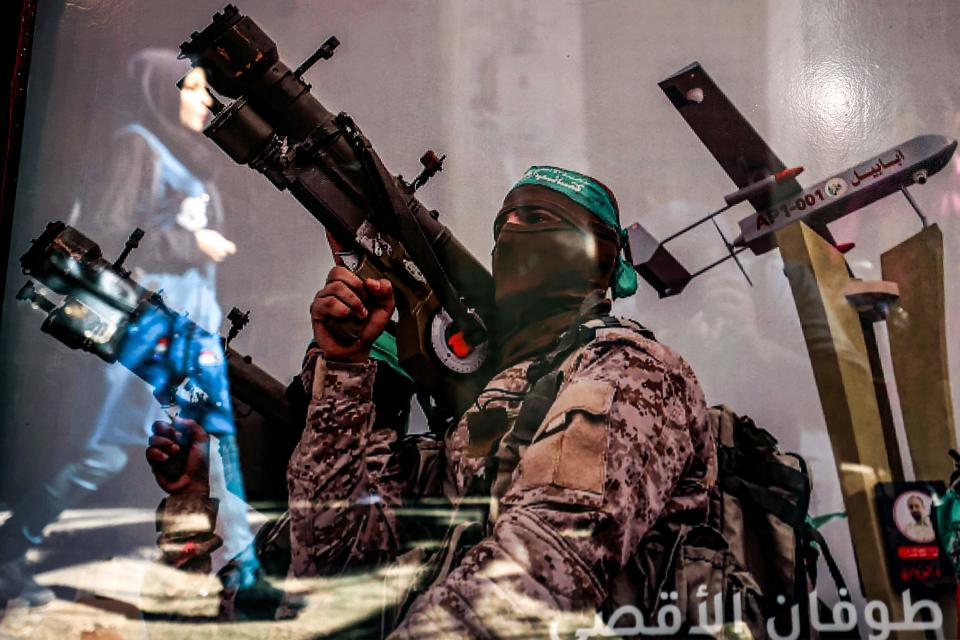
(947, 512)
(818, 521)
(587, 193)
(384, 349)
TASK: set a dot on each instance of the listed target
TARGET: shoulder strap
(151, 139)
(545, 374)
(580, 333)
(789, 513)
(190, 183)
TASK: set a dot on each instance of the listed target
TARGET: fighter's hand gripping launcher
(276, 126)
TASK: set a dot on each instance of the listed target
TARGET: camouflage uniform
(624, 445)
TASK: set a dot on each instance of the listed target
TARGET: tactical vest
(545, 375)
(757, 544)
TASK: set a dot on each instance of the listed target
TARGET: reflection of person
(158, 177)
(621, 442)
(919, 528)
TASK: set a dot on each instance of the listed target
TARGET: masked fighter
(590, 434)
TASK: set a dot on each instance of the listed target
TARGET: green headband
(589, 194)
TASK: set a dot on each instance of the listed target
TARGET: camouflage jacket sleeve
(624, 444)
(340, 489)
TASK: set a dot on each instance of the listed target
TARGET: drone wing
(726, 133)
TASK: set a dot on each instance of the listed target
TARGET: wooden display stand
(917, 329)
(837, 314)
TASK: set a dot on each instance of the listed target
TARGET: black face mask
(543, 271)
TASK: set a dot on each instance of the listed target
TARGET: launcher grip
(347, 330)
(174, 466)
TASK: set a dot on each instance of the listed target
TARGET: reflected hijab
(156, 72)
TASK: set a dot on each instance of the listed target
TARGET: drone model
(771, 187)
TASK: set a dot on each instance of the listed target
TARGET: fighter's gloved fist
(178, 455)
(369, 302)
